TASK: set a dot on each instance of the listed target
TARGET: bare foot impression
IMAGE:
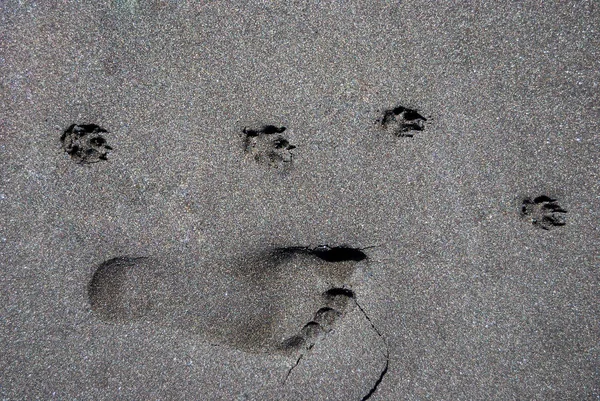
(267, 147)
(543, 212)
(85, 144)
(401, 121)
(280, 301)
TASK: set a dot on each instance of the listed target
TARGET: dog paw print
(544, 212)
(85, 143)
(401, 121)
(267, 146)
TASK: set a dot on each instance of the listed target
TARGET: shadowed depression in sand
(280, 301)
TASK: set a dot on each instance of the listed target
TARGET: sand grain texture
(472, 299)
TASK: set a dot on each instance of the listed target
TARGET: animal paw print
(267, 147)
(85, 144)
(543, 212)
(401, 121)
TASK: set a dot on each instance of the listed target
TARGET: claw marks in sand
(85, 143)
(267, 146)
(402, 122)
(544, 212)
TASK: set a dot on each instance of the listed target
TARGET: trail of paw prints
(543, 212)
(85, 143)
(267, 146)
(402, 122)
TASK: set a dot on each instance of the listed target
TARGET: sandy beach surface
(268, 200)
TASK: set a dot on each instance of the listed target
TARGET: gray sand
(472, 300)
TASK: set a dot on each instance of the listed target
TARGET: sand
(464, 294)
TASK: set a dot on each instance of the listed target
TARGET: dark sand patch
(85, 143)
(544, 212)
(401, 121)
(268, 147)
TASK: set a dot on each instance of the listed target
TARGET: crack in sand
(387, 355)
(378, 382)
(292, 368)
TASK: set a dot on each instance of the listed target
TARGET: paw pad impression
(85, 144)
(267, 146)
(401, 121)
(544, 212)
